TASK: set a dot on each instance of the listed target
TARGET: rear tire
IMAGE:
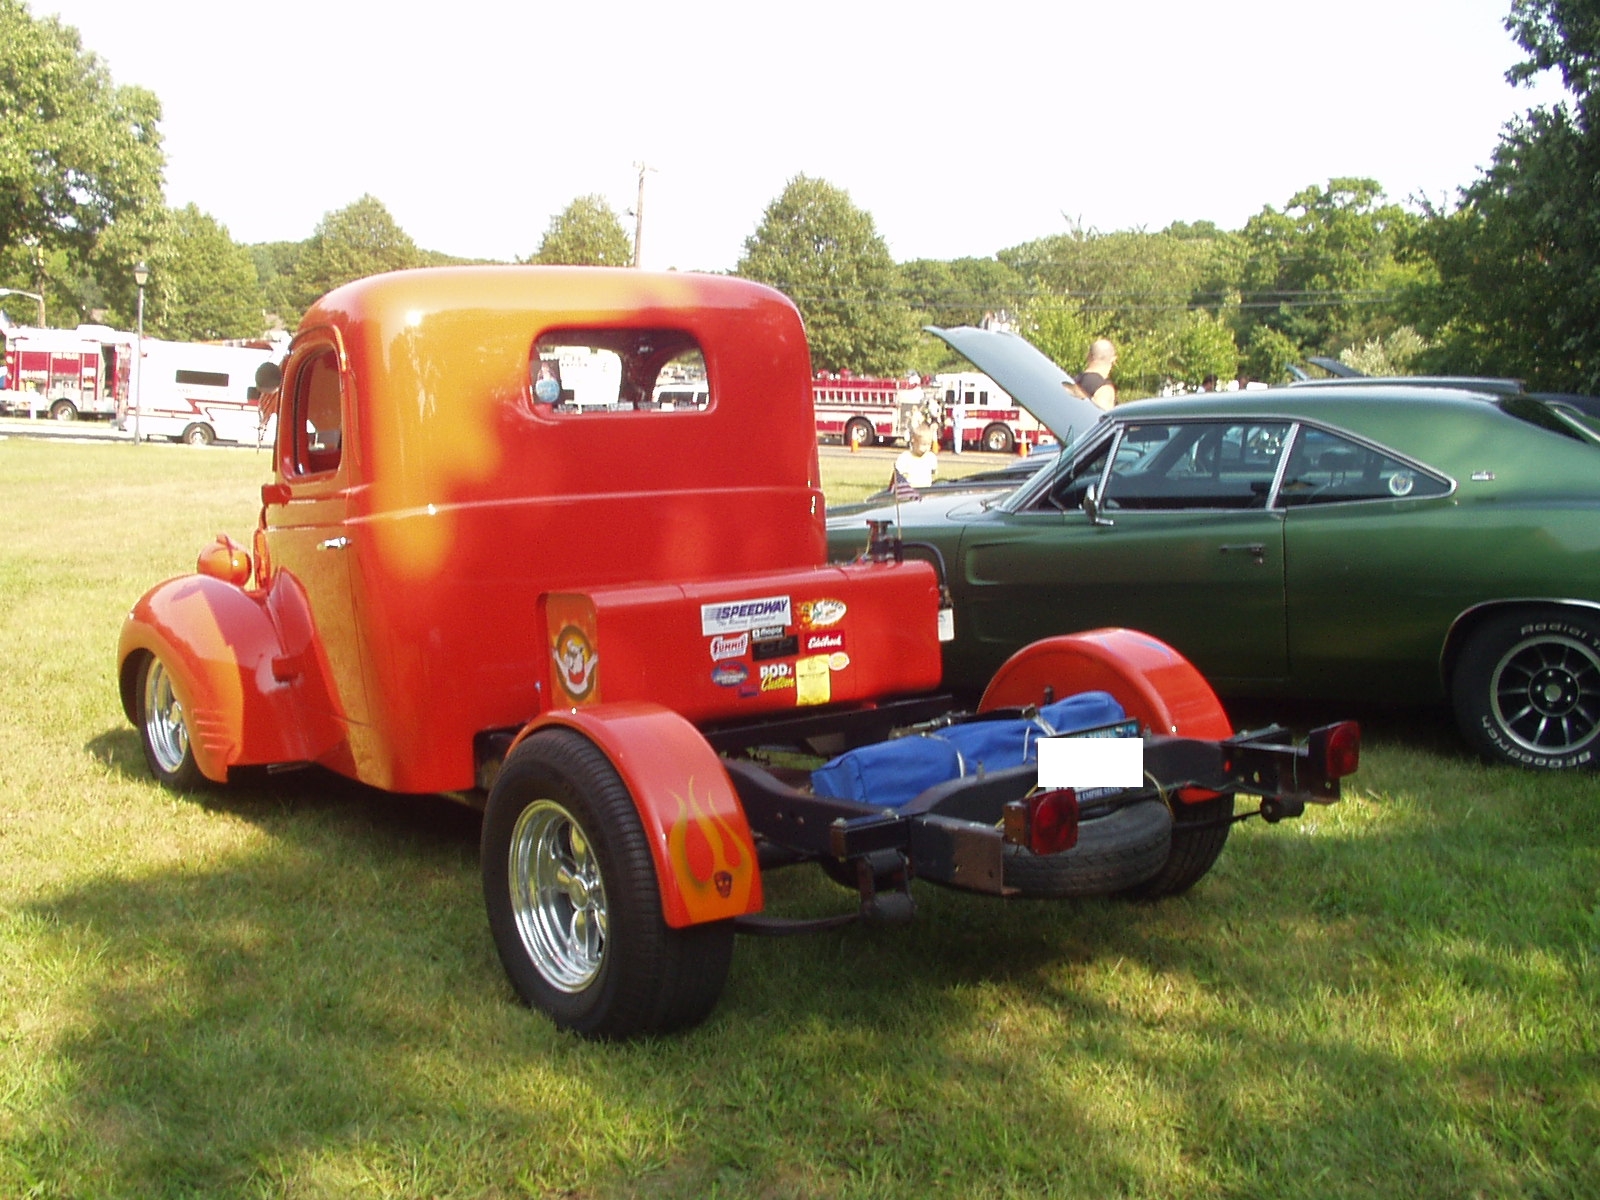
(1527, 689)
(63, 410)
(1115, 853)
(859, 433)
(575, 905)
(199, 435)
(998, 439)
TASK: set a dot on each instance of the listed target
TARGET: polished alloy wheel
(558, 898)
(165, 731)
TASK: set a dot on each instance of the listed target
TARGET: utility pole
(638, 215)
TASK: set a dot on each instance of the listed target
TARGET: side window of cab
(316, 416)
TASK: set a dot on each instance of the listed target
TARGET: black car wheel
(574, 904)
(999, 439)
(1527, 689)
(858, 432)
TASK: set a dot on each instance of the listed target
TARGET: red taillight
(1053, 821)
(1335, 750)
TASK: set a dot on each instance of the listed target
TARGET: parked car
(1377, 541)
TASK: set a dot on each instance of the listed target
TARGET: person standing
(1096, 378)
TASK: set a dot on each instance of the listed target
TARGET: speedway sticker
(740, 616)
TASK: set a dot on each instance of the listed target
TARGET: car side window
(1196, 464)
(1327, 468)
(1067, 490)
(317, 423)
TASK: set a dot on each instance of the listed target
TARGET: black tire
(1114, 853)
(63, 410)
(574, 905)
(999, 439)
(164, 728)
(199, 435)
(1526, 689)
(1197, 841)
(858, 432)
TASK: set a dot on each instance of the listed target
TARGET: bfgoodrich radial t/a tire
(574, 904)
(1114, 853)
(1527, 689)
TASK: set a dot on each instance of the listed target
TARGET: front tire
(574, 903)
(858, 433)
(1527, 689)
(164, 728)
(199, 435)
(63, 410)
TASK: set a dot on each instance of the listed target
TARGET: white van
(198, 393)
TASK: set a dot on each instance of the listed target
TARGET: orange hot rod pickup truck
(499, 559)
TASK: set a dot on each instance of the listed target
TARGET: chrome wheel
(165, 734)
(558, 898)
(1545, 694)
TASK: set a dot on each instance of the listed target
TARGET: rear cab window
(591, 373)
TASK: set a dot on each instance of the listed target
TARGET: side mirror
(1091, 506)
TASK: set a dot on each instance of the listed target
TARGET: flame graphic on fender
(711, 868)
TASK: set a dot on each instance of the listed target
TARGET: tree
(822, 251)
(359, 240)
(1519, 258)
(588, 233)
(203, 287)
(77, 153)
(1336, 266)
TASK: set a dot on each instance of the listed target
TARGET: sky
(962, 129)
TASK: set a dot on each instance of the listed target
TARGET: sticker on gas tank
(813, 682)
(818, 643)
(729, 674)
(739, 616)
(776, 677)
(784, 647)
(723, 647)
(819, 614)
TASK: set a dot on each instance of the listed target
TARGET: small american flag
(902, 489)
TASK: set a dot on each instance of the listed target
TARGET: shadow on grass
(1387, 1005)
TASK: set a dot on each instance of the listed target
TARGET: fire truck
(990, 419)
(866, 412)
(66, 373)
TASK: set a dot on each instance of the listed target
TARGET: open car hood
(1022, 370)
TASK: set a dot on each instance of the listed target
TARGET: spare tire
(1114, 853)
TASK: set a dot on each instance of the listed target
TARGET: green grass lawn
(288, 988)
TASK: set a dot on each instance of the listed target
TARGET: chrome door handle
(1256, 550)
(338, 543)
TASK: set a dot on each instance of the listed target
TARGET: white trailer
(199, 393)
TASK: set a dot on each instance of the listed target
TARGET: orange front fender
(220, 647)
(705, 857)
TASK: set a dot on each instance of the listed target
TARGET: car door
(1380, 559)
(309, 530)
(1182, 545)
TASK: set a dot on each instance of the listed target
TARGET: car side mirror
(1091, 506)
